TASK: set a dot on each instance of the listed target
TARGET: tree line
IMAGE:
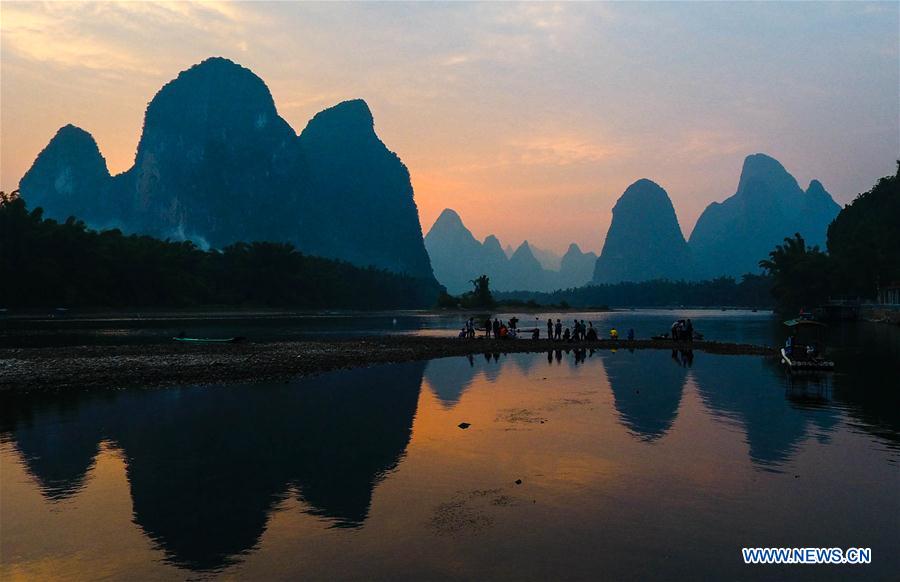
(752, 291)
(863, 251)
(44, 263)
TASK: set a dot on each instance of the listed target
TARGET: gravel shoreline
(172, 363)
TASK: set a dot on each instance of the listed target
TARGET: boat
(803, 321)
(208, 340)
(796, 364)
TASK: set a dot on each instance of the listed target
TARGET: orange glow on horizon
(530, 120)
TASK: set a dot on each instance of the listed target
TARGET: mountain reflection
(450, 377)
(647, 390)
(206, 466)
(775, 423)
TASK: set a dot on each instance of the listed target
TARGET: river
(576, 465)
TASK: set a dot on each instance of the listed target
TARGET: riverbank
(172, 363)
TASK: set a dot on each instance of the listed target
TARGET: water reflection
(450, 377)
(354, 474)
(58, 436)
(738, 392)
(647, 390)
(206, 466)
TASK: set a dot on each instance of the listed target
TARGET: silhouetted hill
(525, 271)
(361, 208)
(576, 268)
(644, 241)
(69, 177)
(216, 164)
(731, 237)
(457, 257)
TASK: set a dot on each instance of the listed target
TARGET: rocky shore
(173, 363)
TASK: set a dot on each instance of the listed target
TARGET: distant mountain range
(216, 164)
(645, 242)
(458, 257)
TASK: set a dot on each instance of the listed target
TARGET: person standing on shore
(496, 328)
(487, 328)
(558, 335)
(549, 328)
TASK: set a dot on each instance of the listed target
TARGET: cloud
(119, 37)
(563, 150)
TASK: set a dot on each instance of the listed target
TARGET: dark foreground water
(645, 465)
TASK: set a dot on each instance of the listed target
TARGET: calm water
(644, 465)
(80, 329)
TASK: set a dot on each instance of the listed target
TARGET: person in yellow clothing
(613, 334)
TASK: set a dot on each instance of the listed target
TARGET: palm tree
(798, 274)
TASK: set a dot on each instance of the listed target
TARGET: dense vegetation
(864, 240)
(44, 263)
(480, 296)
(799, 274)
(752, 291)
(863, 250)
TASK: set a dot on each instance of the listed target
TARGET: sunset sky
(528, 119)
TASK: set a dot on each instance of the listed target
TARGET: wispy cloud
(563, 150)
(115, 37)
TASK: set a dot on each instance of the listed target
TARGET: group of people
(496, 328)
(579, 332)
(683, 330)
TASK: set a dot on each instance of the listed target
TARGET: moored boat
(208, 340)
(799, 363)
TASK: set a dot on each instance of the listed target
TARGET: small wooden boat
(797, 364)
(208, 340)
